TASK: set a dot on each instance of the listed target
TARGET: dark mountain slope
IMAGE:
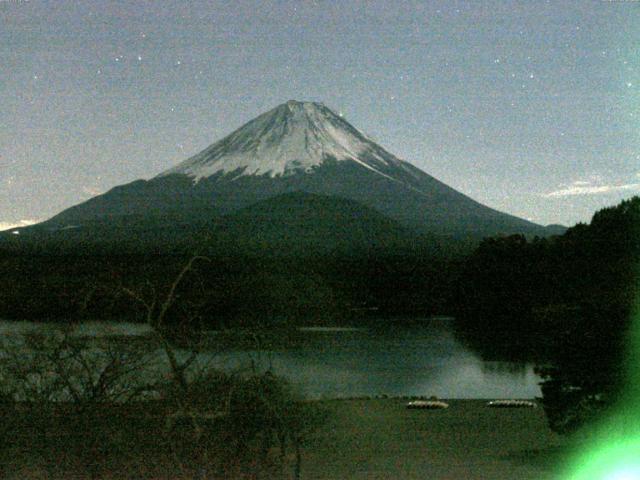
(302, 222)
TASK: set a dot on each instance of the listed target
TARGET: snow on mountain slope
(296, 147)
(293, 137)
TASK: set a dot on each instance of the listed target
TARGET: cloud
(18, 224)
(93, 191)
(585, 188)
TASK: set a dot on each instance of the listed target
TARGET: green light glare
(613, 449)
(619, 461)
(625, 474)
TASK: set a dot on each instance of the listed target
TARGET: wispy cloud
(586, 188)
(19, 223)
(93, 191)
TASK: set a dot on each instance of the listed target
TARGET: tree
(156, 310)
(54, 365)
(586, 374)
(252, 414)
(58, 385)
(598, 265)
(564, 302)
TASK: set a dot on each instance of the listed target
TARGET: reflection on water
(423, 359)
(510, 368)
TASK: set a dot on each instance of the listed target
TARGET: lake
(422, 359)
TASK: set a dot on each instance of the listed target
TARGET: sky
(530, 107)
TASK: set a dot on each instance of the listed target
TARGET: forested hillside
(565, 302)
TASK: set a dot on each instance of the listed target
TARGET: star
(139, 58)
(629, 84)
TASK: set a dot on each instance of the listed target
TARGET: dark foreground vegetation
(147, 440)
(75, 408)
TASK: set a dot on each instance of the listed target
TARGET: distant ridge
(311, 222)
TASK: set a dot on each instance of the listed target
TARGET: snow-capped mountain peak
(293, 137)
(300, 147)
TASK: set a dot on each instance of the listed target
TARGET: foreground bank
(380, 439)
(372, 439)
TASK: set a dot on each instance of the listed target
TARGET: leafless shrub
(208, 423)
(55, 366)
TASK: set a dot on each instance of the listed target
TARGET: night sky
(531, 107)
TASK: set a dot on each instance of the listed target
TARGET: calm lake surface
(421, 359)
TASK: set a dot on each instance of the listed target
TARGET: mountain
(296, 147)
(307, 222)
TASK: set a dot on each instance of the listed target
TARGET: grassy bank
(381, 439)
(372, 439)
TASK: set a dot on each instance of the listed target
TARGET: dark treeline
(222, 291)
(531, 290)
(565, 302)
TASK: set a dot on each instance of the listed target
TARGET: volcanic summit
(298, 147)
